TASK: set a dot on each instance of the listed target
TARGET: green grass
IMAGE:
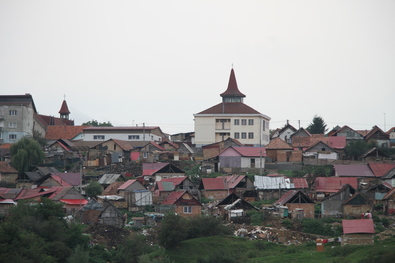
(235, 249)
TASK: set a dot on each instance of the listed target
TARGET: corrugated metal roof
(358, 226)
(218, 183)
(379, 169)
(359, 170)
(267, 183)
(299, 183)
(285, 197)
(108, 178)
(73, 179)
(278, 144)
(168, 184)
(7, 168)
(9, 193)
(334, 184)
(74, 201)
(127, 184)
(173, 197)
(233, 180)
(152, 168)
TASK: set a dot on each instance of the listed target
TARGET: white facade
(125, 136)
(247, 128)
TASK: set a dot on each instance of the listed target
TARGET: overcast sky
(159, 62)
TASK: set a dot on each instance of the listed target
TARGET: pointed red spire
(64, 109)
(233, 90)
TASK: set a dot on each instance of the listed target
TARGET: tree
(172, 231)
(25, 154)
(96, 123)
(317, 126)
(356, 148)
(93, 189)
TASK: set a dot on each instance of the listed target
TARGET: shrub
(173, 230)
(287, 223)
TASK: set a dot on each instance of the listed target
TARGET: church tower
(64, 111)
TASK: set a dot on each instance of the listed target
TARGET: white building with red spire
(231, 118)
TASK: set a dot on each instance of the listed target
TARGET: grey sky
(159, 62)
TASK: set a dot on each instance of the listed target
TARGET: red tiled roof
(334, 184)
(7, 168)
(59, 179)
(358, 226)
(379, 169)
(390, 130)
(230, 108)
(6, 145)
(125, 145)
(359, 170)
(30, 193)
(232, 90)
(63, 132)
(218, 183)
(173, 197)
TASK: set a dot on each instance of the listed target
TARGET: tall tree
(96, 123)
(317, 126)
(25, 154)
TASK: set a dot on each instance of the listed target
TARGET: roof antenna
(232, 65)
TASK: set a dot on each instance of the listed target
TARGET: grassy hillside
(232, 249)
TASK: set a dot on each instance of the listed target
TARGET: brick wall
(307, 208)
(196, 211)
(296, 156)
(215, 194)
(357, 239)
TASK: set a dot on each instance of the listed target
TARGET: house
(184, 152)
(5, 205)
(380, 169)
(242, 159)
(62, 179)
(233, 207)
(114, 150)
(361, 171)
(301, 139)
(271, 187)
(389, 202)
(220, 187)
(332, 205)
(91, 211)
(280, 151)
(107, 179)
(142, 134)
(34, 195)
(358, 232)
(153, 172)
(35, 178)
(111, 215)
(349, 133)
(166, 186)
(136, 195)
(325, 186)
(8, 174)
(5, 153)
(356, 205)
(231, 118)
(320, 150)
(376, 193)
(71, 198)
(16, 117)
(378, 136)
(299, 204)
(374, 154)
(7, 196)
(153, 152)
(389, 177)
(213, 149)
(391, 133)
(181, 202)
(285, 133)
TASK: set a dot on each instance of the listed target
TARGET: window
(12, 136)
(13, 112)
(263, 125)
(98, 137)
(323, 149)
(243, 122)
(243, 135)
(12, 125)
(187, 209)
(222, 124)
(134, 137)
(237, 122)
(237, 135)
(250, 122)
(250, 135)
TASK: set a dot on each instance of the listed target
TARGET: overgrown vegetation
(26, 154)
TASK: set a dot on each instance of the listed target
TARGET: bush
(287, 223)
(172, 231)
(205, 226)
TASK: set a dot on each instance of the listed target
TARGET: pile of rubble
(106, 235)
(279, 235)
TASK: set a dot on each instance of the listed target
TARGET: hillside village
(233, 164)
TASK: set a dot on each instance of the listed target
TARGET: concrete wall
(307, 208)
(355, 210)
(215, 194)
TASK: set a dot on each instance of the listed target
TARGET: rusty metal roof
(358, 170)
(358, 226)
